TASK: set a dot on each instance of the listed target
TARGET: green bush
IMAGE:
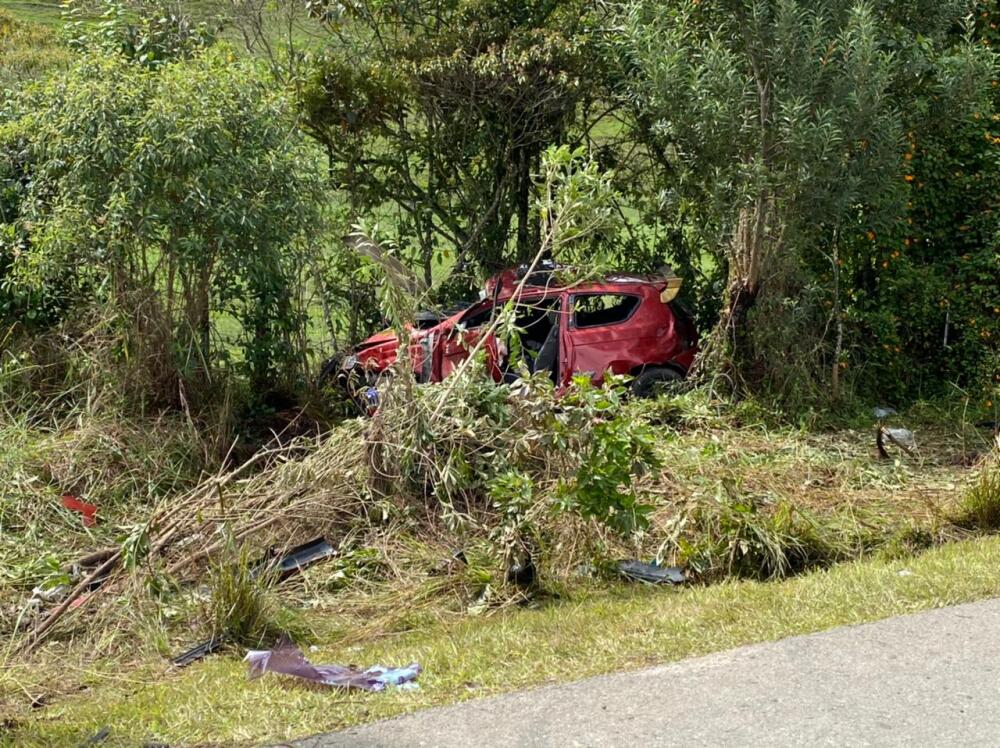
(748, 536)
(980, 507)
(177, 198)
(510, 461)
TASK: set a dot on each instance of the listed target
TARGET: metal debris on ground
(287, 659)
(85, 508)
(900, 437)
(651, 573)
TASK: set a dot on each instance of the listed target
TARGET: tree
(177, 195)
(435, 114)
(780, 121)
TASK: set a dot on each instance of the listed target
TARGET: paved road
(927, 679)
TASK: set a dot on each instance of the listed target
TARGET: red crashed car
(626, 324)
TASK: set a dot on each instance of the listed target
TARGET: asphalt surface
(926, 679)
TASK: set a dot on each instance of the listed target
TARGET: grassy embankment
(392, 604)
(595, 632)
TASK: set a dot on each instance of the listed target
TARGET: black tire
(655, 381)
(328, 372)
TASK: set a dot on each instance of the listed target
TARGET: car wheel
(656, 381)
(328, 372)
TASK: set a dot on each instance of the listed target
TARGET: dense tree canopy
(823, 174)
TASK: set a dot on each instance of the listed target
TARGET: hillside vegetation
(184, 188)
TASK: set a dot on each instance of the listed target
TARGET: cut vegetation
(732, 497)
(204, 215)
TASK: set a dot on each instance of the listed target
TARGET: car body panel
(652, 334)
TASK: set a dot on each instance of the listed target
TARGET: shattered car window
(592, 310)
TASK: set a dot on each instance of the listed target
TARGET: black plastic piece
(99, 737)
(298, 558)
(651, 573)
(522, 575)
(198, 652)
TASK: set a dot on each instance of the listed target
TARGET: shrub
(979, 509)
(241, 608)
(511, 460)
(177, 197)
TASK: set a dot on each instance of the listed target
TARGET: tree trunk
(731, 350)
(839, 322)
(524, 251)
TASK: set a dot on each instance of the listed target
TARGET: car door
(601, 334)
(455, 344)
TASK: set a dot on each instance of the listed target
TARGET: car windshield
(526, 311)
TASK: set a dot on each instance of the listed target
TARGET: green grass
(589, 633)
(45, 12)
(49, 12)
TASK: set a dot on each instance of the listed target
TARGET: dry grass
(591, 631)
(394, 574)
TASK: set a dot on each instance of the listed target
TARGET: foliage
(150, 34)
(509, 459)
(174, 194)
(980, 507)
(614, 451)
(778, 127)
(743, 535)
(241, 608)
(776, 118)
(925, 290)
(437, 114)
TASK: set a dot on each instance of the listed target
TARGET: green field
(39, 11)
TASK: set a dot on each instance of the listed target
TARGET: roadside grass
(591, 630)
(732, 479)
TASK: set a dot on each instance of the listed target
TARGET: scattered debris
(651, 573)
(967, 459)
(522, 574)
(98, 737)
(91, 560)
(50, 594)
(299, 558)
(900, 437)
(74, 504)
(82, 600)
(198, 652)
(287, 659)
(450, 564)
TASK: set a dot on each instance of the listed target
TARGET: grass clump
(242, 608)
(752, 537)
(979, 509)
